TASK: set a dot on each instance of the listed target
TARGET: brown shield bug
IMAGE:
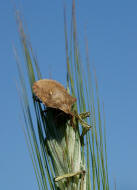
(53, 95)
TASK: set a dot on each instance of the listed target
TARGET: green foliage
(56, 150)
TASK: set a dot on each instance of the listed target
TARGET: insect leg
(80, 119)
(84, 115)
(35, 98)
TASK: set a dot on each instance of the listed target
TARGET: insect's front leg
(46, 109)
(35, 98)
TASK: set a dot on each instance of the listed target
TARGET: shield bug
(53, 95)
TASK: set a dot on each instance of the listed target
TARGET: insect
(54, 95)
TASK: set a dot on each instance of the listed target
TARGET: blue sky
(111, 28)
